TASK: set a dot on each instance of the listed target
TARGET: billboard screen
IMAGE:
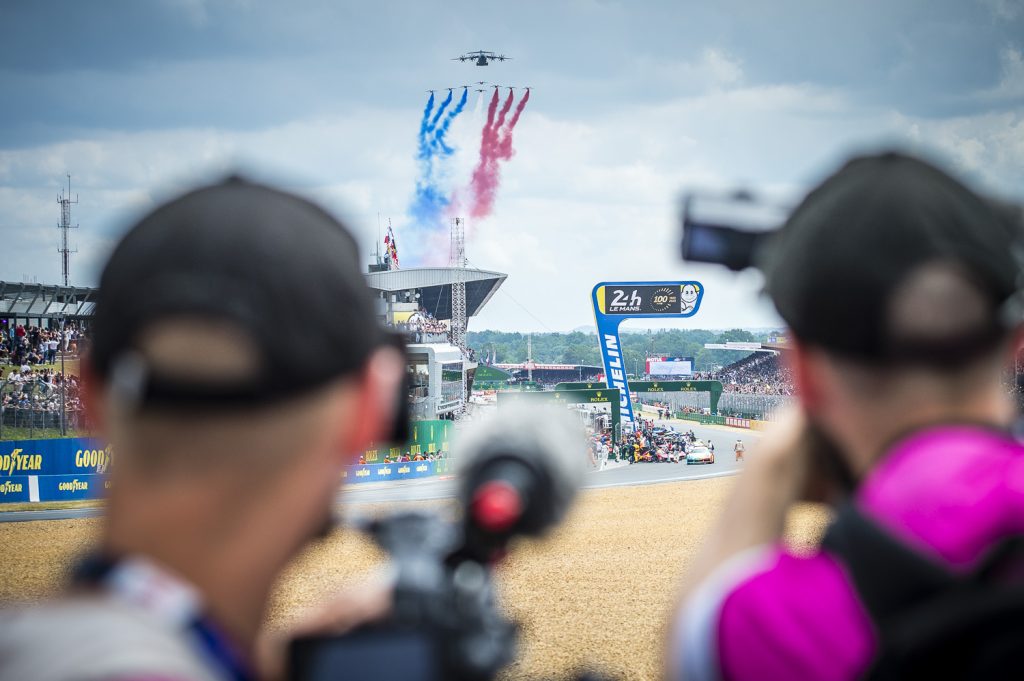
(669, 366)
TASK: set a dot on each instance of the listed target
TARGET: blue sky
(633, 103)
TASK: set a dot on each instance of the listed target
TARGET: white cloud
(583, 200)
(1011, 82)
(1007, 10)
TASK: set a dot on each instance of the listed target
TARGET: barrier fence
(739, 405)
(70, 469)
(31, 409)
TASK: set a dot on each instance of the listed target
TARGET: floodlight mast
(459, 322)
(65, 225)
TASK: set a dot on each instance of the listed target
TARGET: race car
(699, 454)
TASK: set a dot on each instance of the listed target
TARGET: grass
(598, 593)
(11, 433)
(70, 367)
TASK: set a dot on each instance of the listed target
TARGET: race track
(445, 487)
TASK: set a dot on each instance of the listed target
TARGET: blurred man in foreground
(899, 286)
(236, 368)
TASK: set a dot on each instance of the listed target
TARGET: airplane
(480, 89)
(481, 82)
(480, 57)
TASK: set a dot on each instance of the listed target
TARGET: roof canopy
(42, 301)
(434, 285)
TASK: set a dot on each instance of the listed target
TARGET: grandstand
(429, 289)
(32, 303)
(551, 374)
(418, 301)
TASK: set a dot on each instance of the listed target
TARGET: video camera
(729, 228)
(518, 475)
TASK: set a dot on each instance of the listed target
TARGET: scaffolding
(459, 322)
(457, 259)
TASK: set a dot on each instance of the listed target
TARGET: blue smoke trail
(430, 200)
(440, 110)
(425, 129)
(440, 133)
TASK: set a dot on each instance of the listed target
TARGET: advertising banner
(670, 366)
(71, 469)
(14, 488)
(70, 487)
(382, 472)
(57, 456)
(426, 437)
(618, 301)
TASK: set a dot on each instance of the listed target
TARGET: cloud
(1005, 9)
(1011, 81)
(638, 103)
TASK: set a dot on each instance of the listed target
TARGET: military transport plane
(480, 57)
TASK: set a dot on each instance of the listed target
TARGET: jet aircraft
(480, 57)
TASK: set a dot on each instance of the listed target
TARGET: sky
(632, 104)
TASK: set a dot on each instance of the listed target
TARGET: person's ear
(379, 399)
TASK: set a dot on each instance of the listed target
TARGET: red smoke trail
(505, 150)
(504, 111)
(495, 145)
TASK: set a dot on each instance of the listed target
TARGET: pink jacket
(952, 492)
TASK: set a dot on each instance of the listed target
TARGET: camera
(728, 229)
(518, 475)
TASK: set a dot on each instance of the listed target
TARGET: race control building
(419, 301)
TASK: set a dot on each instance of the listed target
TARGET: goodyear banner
(59, 456)
(70, 469)
(384, 472)
(14, 488)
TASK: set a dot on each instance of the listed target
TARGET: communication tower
(457, 259)
(65, 202)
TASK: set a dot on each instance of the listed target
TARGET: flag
(392, 245)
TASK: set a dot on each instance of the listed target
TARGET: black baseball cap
(273, 265)
(833, 267)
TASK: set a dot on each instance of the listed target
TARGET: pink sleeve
(800, 619)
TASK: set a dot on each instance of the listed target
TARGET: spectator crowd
(30, 386)
(759, 374)
(39, 390)
(32, 345)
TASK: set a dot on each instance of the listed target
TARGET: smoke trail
(442, 131)
(425, 126)
(504, 111)
(505, 150)
(440, 110)
(430, 199)
(495, 146)
(480, 179)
